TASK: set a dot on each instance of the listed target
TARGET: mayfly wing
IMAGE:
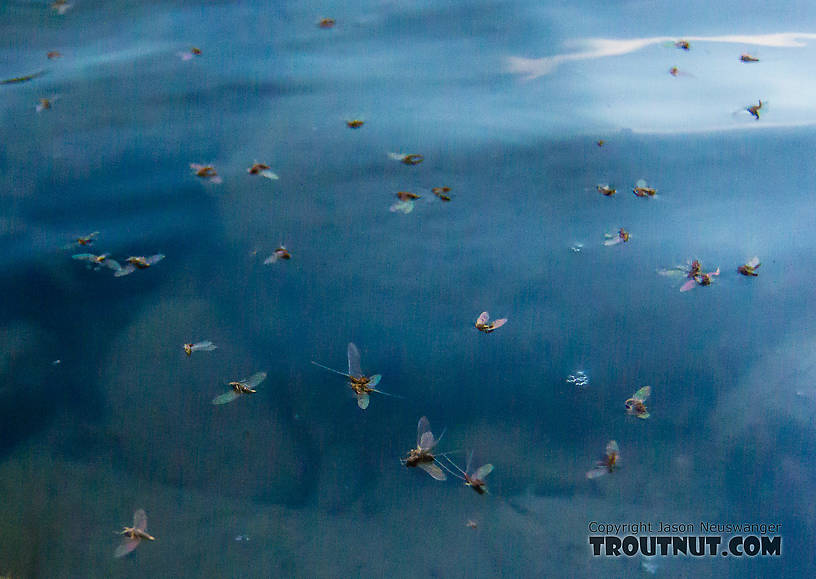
(499, 323)
(154, 259)
(642, 394)
(753, 262)
(225, 398)
(354, 361)
(599, 470)
(423, 428)
(641, 183)
(84, 257)
(427, 441)
(205, 346)
(433, 469)
(374, 380)
(612, 448)
(126, 547)
(363, 400)
(482, 319)
(140, 520)
(123, 271)
(483, 471)
(255, 379)
(112, 264)
(271, 259)
(612, 240)
(689, 285)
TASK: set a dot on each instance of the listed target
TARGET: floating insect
(689, 270)
(409, 159)
(577, 247)
(622, 236)
(682, 45)
(53, 54)
(474, 480)
(484, 325)
(83, 240)
(280, 253)
(580, 378)
(745, 57)
(207, 172)
(754, 110)
(441, 193)
(44, 105)
(138, 262)
(600, 143)
(750, 267)
(471, 524)
(133, 535)
(422, 456)
(326, 23)
(675, 72)
(606, 190)
(635, 405)
(263, 170)
(699, 278)
(361, 384)
(355, 123)
(405, 203)
(21, 79)
(189, 54)
(205, 346)
(61, 6)
(98, 261)
(239, 387)
(608, 463)
(641, 190)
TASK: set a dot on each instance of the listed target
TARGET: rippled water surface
(506, 101)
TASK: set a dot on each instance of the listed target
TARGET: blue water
(505, 101)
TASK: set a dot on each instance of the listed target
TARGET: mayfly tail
(329, 369)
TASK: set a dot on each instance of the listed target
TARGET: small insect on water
(280, 253)
(407, 159)
(96, 262)
(635, 405)
(642, 190)
(473, 479)
(240, 387)
(745, 57)
(61, 6)
(205, 346)
(83, 240)
(622, 236)
(326, 23)
(422, 456)
(484, 325)
(749, 268)
(207, 172)
(355, 123)
(133, 535)
(697, 277)
(606, 190)
(754, 110)
(360, 384)
(189, 54)
(263, 170)
(405, 203)
(608, 463)
(138, 262)
(442, 193)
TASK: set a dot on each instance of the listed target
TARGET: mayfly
(360, 383)
(608, 463)
(422, 456)
(750, 267)
(245, 386)
(484, 325)
(635, 405)
(97, 261)
(138, 262)
(133, 535)
(205, 346)
(474, 479)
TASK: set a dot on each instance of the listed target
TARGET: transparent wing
(644, 415)
(140, 520)
(154, 259)
(599, 470)
(397, 156)
(403, 206)
(374, 380)
(255, 379)
(433, 469)
(271, 259)
(427, 441)
(354, 361)
(123, 271)
(112, 264)
(689, 285)
(499, 323)
(269, 174)
(205, 346)
(612, 240)
(84, 257)
(363, 400)
(423, 427)
(641, 183)
(753, 262)
(483, 471)
(676, 271)
(126, 547)
(612, 448)
(482, 319)
(226, 397)
(642, 394)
